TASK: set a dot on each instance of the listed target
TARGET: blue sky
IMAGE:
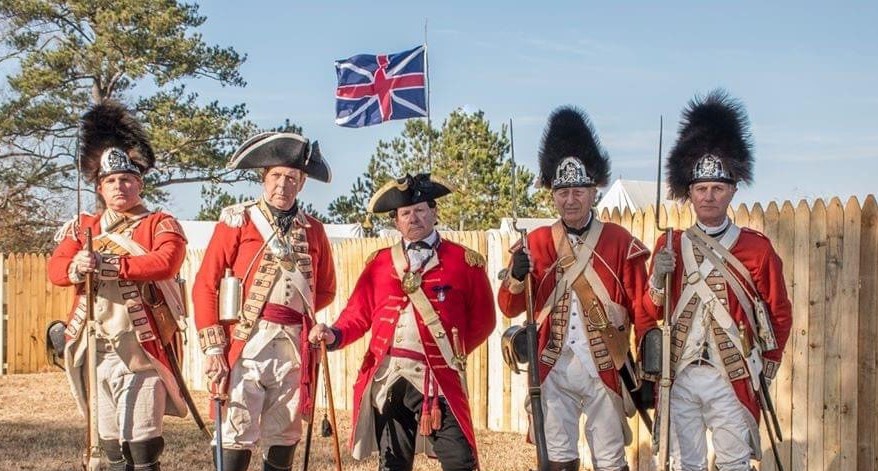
(806, 71)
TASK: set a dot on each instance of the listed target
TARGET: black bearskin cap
(570, 133)
(716, 125)
(109, 125)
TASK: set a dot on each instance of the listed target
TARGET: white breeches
(702, 399)
(568, 392)
(130, 405)
(264, 398)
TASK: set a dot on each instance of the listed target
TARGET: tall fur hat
(714, 144)
(571, 154)
(113, 141)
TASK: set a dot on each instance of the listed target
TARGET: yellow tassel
(436, 414)
(425, 427)
(367, 223)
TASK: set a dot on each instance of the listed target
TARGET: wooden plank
(16, 276)
(867, 388)
(494, 367)
(817, 336)
(848, 311)
(742, 216)
(799, 356)
(757, 218)
(832, 328)
(637, 225)
(3, 311)
(780, 228)
(649, 231)
(39, 310)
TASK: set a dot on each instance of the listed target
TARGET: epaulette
(233, 216)
(473, 258)
(70, 228)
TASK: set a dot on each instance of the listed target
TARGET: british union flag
(376, 88)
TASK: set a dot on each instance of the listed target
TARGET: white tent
(631, 194)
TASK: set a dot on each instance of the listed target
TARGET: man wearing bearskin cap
(731, 315)
(588, 276)
(428, 304)
(281, 258)
(136, 254)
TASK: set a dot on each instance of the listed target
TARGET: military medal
(411, 281)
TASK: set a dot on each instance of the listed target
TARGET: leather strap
(717, 254)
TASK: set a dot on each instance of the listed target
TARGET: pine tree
(64, 56)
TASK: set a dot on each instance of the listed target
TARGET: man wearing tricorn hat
(588, 276)
(731, 315)
(283, 259)
(428, 303)
(136, 254)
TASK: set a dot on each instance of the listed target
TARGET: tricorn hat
(713, 145)
(407, 191)
(571, 154)
(271, 149)
(113, 141)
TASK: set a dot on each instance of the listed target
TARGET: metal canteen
(230, 295)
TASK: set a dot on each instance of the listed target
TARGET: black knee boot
(233, 460)
(113, 451)
(564, 466)
(279, 458)
(144, 455)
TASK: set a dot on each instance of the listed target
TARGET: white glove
(663, 263)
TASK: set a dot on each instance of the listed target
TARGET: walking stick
(310, 430)
(92, 457)
(218, 398)
(327, 383)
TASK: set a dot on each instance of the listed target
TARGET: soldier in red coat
(731, 315)
(588, 276)
(282, 258)
(135, 255)
(428, 303)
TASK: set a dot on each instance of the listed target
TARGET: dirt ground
(40, 429)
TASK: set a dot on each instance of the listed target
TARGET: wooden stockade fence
(826, 392)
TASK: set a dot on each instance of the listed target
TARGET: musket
(663, 409)
(92, 455)
(327, 383)
(530, 326)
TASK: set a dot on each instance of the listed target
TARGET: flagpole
(427, 80)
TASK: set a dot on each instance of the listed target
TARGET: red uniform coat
(626, 257)
(755, 252)
(378, 299)
(235, 248)
(160, 234)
